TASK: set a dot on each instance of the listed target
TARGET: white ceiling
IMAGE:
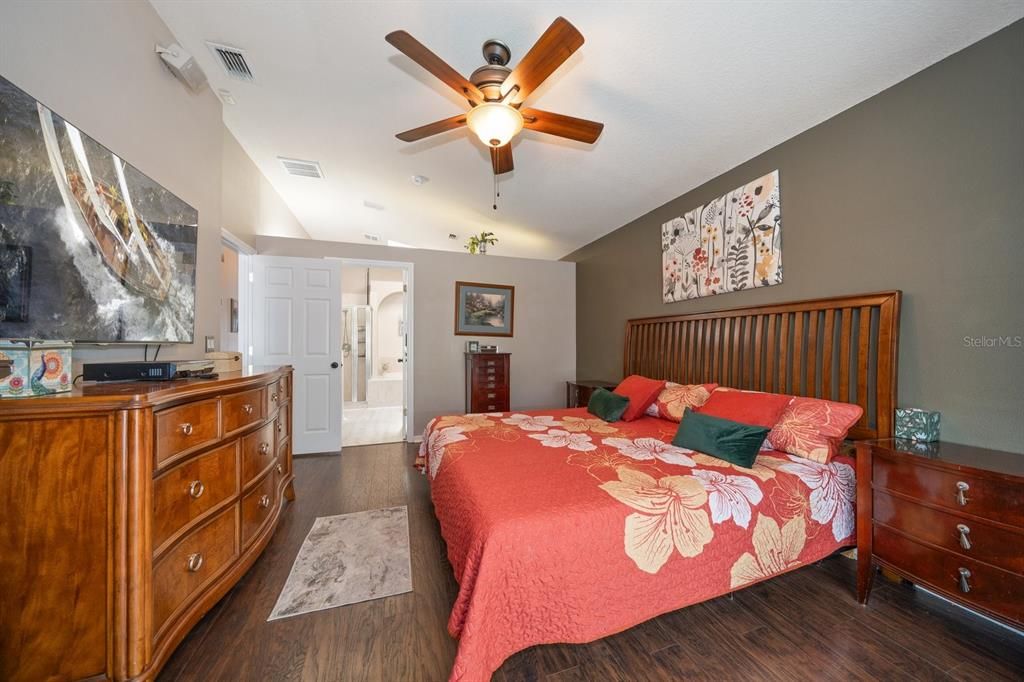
(686, 90)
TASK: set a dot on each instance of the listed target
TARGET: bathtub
(385, 390)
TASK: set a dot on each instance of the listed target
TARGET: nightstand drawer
(952, 532)
(962, 493)
(972, 582)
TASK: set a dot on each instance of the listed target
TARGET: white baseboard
(414, 439)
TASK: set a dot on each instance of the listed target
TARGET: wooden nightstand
(577, 393)
(948, 517)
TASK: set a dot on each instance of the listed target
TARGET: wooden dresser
(948, 517)
(128, 510)
(487, 382)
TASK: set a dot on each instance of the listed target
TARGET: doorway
(376, 312)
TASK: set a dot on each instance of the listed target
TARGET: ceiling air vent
(303, 169)
(233, 61)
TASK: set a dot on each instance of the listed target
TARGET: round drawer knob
(264, 501)
(273, 397)
(264, 448)
(195, 562)
(247, 408)
(196, 489)
(280, 469)
(186, 428)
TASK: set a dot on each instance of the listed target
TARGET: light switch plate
(211, 344)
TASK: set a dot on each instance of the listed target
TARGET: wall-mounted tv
(91, 249)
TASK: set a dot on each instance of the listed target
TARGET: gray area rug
(347, 559)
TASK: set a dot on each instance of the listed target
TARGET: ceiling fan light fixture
(494, 123)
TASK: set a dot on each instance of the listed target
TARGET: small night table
(945, 516)
(577, 393)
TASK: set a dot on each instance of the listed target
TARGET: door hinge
(405, 411)
(405, 288)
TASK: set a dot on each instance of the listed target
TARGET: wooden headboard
(842, 348)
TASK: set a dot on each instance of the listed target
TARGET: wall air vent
(233, 61)
(300, 168)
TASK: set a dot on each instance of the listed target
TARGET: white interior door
(296, 320)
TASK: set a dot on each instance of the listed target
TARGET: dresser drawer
(283, 466)
(242, 409)
(490, 373)
(284, 424)
(985, 498)
(285, 388)
(257, 506)
(481, 404)
(484, 382)
(185, 493)
(258, 450)
(984, 542)
(273, 397)
(990, 588)
(192, 564)
(186, 428)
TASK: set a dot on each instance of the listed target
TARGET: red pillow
(813, 428)
(641, 392)
(747, 407)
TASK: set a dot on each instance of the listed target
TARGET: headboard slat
(842, 348)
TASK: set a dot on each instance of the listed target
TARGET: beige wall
(226, 339)
(543, 348)
(250, 205)
(93, 63)
(920, 188)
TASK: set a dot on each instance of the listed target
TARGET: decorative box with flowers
(917, 425)
(38, 367)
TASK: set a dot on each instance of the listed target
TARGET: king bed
(562, 527)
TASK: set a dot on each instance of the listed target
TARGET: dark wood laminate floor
(802, 626)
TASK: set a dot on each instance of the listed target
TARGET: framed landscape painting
(484, 309)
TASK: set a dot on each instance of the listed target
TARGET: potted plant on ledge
(479, 243)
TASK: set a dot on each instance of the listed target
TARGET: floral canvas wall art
(731, 243)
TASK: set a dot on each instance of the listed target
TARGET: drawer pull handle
(196, 489)
(961, 489)
(247, 408)
(491, 395)
(195, 562)
(280, 469)
(964, 530)
(965, 586)
(186, 428)
(264, 448)
(273, 397)
(264, 501)
(491, 408)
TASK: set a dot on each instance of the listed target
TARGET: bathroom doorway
(376, 337)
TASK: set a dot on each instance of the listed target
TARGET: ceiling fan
(496, 93)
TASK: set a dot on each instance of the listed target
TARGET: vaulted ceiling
(686, 90)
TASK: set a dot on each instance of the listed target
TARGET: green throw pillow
(723, 438)
(607, 405)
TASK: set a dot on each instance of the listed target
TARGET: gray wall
(920, 188)
(543, 348)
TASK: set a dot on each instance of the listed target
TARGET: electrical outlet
(211, 344)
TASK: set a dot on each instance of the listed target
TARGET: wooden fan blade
(418, 52)
(569, 127)
(501, 159)
(549, 52)
(434, 128)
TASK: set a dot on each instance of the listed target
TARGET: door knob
(334, 365)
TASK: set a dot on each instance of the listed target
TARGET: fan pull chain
(496, 194)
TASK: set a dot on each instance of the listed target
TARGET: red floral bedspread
(563, 528)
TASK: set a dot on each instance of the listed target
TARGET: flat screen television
(91, 249)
